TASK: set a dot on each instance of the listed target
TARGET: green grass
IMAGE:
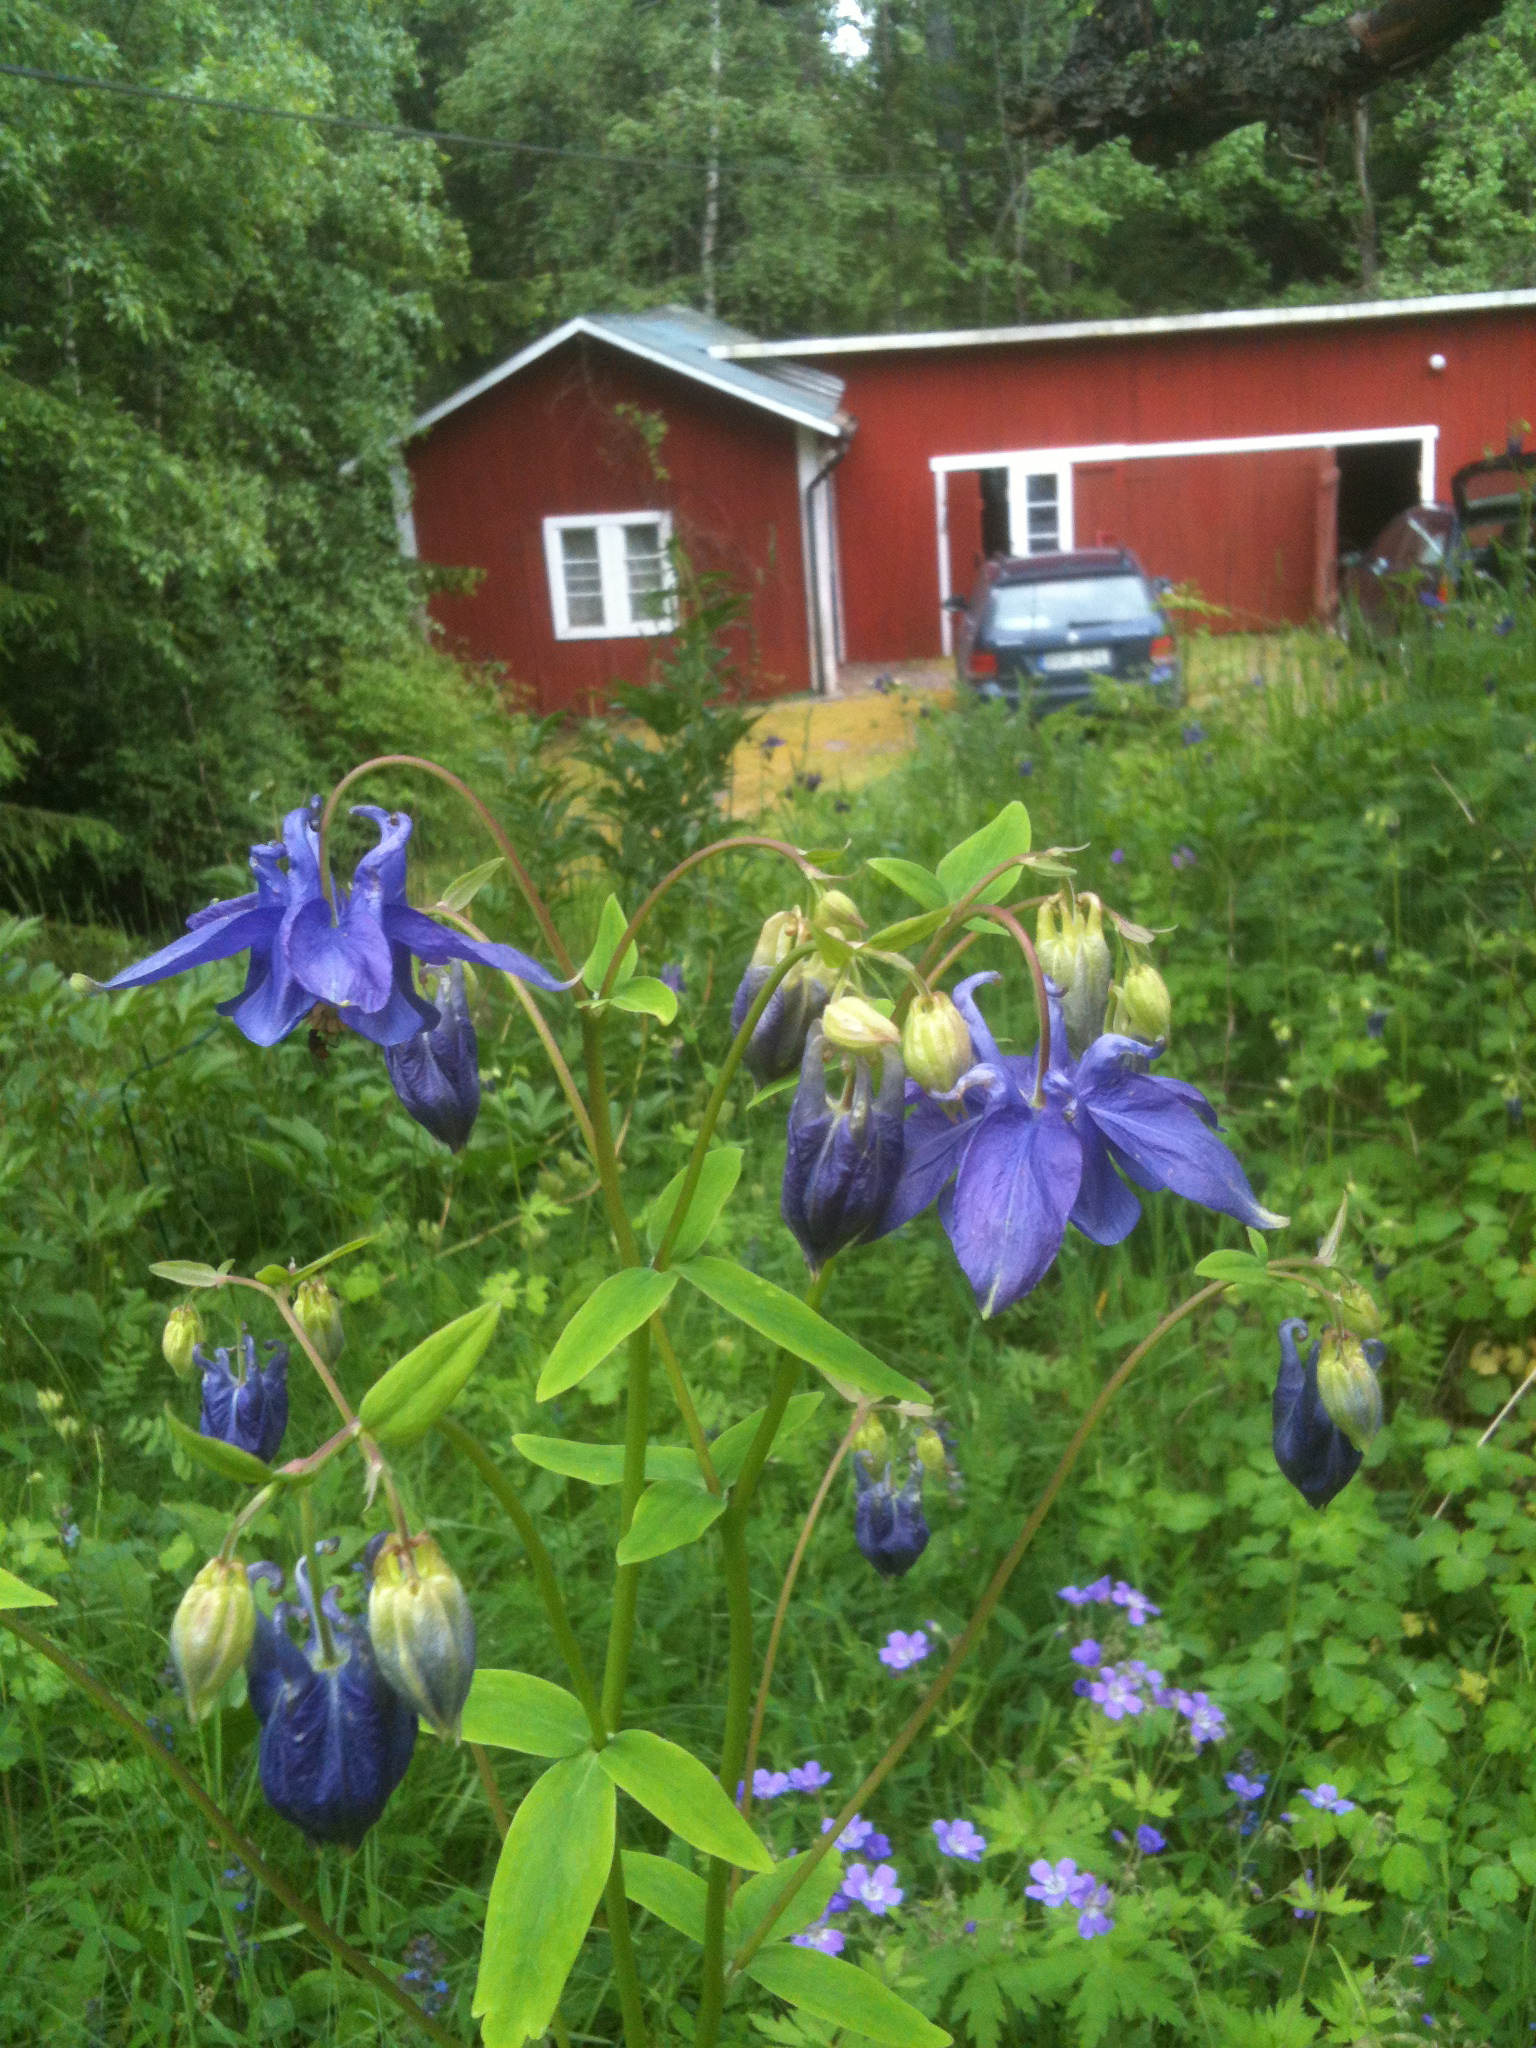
(1362, 843)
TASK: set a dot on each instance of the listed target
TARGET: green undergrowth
(1345, 858)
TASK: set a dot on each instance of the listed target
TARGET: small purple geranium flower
(1116, 1693)
(1138, 1608)
(1326, 1798)
(830, 1940)
(1149, 1841)
(809, 1777)
(1207, 1723)
(1060, 1884)
(1117, 856)
(902, 1651)
(854, 1836)
(769, 1784)
(1093, 1919)
(1246, 1789)
(959, 1839)
(1088, 1652)
(875, 1890)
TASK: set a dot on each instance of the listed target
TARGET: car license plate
(1070, 658)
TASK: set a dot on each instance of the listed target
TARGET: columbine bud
(935, 1043)
(838, 916)
(871, 1442)
(931, 1454)
(182, 1334)
(852, 1025)
(319, 1316)
(779, 936)
(844, 1156)
(212, 1633)
(1347, 1384)
(778, 1037)
(1075, 954)
(422, 1631)
(1358, 1310)
(1143, 1007)
(1311, 1450)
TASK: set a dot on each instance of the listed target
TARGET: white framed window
(610, 574)
(1039, 508)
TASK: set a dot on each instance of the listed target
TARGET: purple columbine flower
(902, 1651)
(1138, 1608)
(809, 1777)
(1327, 1798)
(1149, 1841)
(844, 1154)
(1060, 1884)
(247, 1407)
(959, 1839)
(1246, 1789)
(888, 1525)
(354, 957)
(854, 1836)
(1093, 1920)
(1088, 1652)
(1313, 1453)
(1115, 1691)
(1022, 1169)
(436, 1074)
(1207, 1723)
(769, 1784)
(830, 1940)
(875, 1890)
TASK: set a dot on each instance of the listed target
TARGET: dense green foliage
(1361, 839)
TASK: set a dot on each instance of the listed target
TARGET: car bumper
(1042, 694)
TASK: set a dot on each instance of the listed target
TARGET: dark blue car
(1043, 630)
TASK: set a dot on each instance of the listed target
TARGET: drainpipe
(826, 658)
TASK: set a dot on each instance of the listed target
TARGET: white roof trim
(817, 423)
(1095, 330)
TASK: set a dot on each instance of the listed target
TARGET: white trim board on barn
(1037, 462)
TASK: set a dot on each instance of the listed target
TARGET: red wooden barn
(849, 485)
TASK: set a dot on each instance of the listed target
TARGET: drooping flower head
(1311, 1450)
(889, 1526)
(246, 1404)
(421, 1629)
(778, 1038)
(436, 1073)
(183, 1333)
(335, 1738)
(212, 1633)
(845, 1150)
(353, 955)
(1070, 942)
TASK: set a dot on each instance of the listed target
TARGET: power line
(402, 132)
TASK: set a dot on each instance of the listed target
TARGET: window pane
(583, 576)
(645, 564)
(1054, 606)
(1043, 524)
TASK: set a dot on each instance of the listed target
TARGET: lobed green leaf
(1007, 837)
(665, 1888)
(515, 1710)
(603, 1464)
(668, 1515)
(797, 1328)
(683, 1794)
(717, 1182)
(620, 1305)
(845, 1996)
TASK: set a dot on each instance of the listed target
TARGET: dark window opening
(1376, 481)
(994, 512)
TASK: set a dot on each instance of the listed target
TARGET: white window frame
(620, 623)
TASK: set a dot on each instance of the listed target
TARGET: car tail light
(1443, 591)
(1163, 647)
(979, 665)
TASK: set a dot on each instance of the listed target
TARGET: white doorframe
(1062, 460)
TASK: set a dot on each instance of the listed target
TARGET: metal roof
(1095, 330)
(677, 338)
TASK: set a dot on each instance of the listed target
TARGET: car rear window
(1051, 607)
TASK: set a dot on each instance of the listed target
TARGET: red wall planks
(550, 441)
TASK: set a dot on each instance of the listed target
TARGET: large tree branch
(1125, 74)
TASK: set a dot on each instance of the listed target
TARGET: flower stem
(974, 1628)
(1022, 939)
(735, 845)
(625, 1968)
(227, 1831)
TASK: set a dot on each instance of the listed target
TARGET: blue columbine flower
(335, 1739)
(844, 1156)
(436, 1074)
(1311, 1450)
(1009, 1175)
(354, 956)
(245, 1406)
(888, 1525)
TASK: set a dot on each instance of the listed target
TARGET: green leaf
(774, 1088)
(785, 1321)
(758, 1896)
(460, 894)
(1007, 837)
(668, 1515)
(273, 1276)
(515, 1710)
(611, 927)
(603, 1464)
(228, 1460)
(403, 1404)
(1231, 1266)
(717, 1181)
(647, 997)
(684, 1796)
(14, 1593)
(729, 1449)
(621, 1304)
(342, 1251)
(188, 1273)
(907, 931)
(549, 1878)
(914, 881)
(666, 1889)
(847, 1997)
(1260, 1245)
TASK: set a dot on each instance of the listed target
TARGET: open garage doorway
(1377, 480)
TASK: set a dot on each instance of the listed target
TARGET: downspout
(826, 660)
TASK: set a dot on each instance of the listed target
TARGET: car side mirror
(956, 604)
(1162, 586)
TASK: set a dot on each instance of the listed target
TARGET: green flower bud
(852, 1025)
(1348, 1385)
(1358, 1310)
(871, 1442)
(931, 1453)
(1143, 1007)
(319, 1314)
(422, 1631)
(837, 915)
(183, 1332)
(212, 1633)
(1075, 954)
(935, 1043)
(779, 937)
